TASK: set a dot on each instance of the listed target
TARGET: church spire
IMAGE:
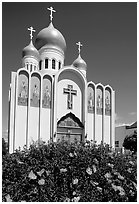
(30, 52)
(79, 62)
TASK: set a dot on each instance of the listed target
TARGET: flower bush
(62, 172)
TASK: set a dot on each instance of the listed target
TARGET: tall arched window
(53, 64)
(59, 66)
(40, 64)
(31, 68)
(27, 66)
(46, 63)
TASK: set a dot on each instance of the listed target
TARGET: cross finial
(51, 12)
(31, 31)
(79, 46)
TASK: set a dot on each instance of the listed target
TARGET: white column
(103, 116)
(113, 119)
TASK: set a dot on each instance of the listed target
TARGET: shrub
(130, 142)
(59, 172)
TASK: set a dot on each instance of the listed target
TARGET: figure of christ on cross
(70, 93)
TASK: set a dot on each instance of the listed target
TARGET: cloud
(122, 124)
(132, 113)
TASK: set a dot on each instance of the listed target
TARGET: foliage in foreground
(130, 142)
(63, 172)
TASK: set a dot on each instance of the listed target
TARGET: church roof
(30, 50)
(50, 36)
(80, 63)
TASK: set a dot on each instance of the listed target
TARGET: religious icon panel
(107, 102)
(23, 88)
(46, 94)
(35, 90)
(99, 100)
(90, 98)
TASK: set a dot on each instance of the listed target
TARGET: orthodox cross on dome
(70, 93)
(31, 31)
(79, 46)
(51, 12)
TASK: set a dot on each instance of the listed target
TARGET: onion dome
(50, 36)
(30, 50)
(80, 63)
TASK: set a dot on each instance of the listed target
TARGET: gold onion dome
(30, 50)
(80, 63)
(50, 36)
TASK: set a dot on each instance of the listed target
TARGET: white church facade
(52, 102)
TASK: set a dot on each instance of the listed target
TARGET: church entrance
(69, 128)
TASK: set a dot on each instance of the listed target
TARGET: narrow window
(59, 65)
(40, 64)
(53, 64)
(27, 66)
(31, 68)
(46, 63)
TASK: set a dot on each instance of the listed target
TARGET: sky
(108, 32)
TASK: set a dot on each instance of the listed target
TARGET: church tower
(52, 102)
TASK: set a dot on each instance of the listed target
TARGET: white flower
(129, 170)
(63, 170)
(75, 153)
(41, 172)
(74, 193)
(110, 165)
(41, 182)
(94, 183)
(8, 198)
(122, 191)
(76, 199)
(48, 173)
(67, 200)
(32, 175)
(120, 177)
(94, 168)
(19, 162)
(107, 176)
(75, 181)
(131, 162)
(89, 170)
(99, 189)
(71, 154)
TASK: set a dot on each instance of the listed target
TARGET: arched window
(40, 64)
(31, 68)
(59, 66)
(46, 63)
(53, 63)
(27, 66)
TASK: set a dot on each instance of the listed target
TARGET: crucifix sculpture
(70, 93)
(51, 12)
(31, 31)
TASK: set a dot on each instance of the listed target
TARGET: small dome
(30, 50)
(50, 36)
(80, 63)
